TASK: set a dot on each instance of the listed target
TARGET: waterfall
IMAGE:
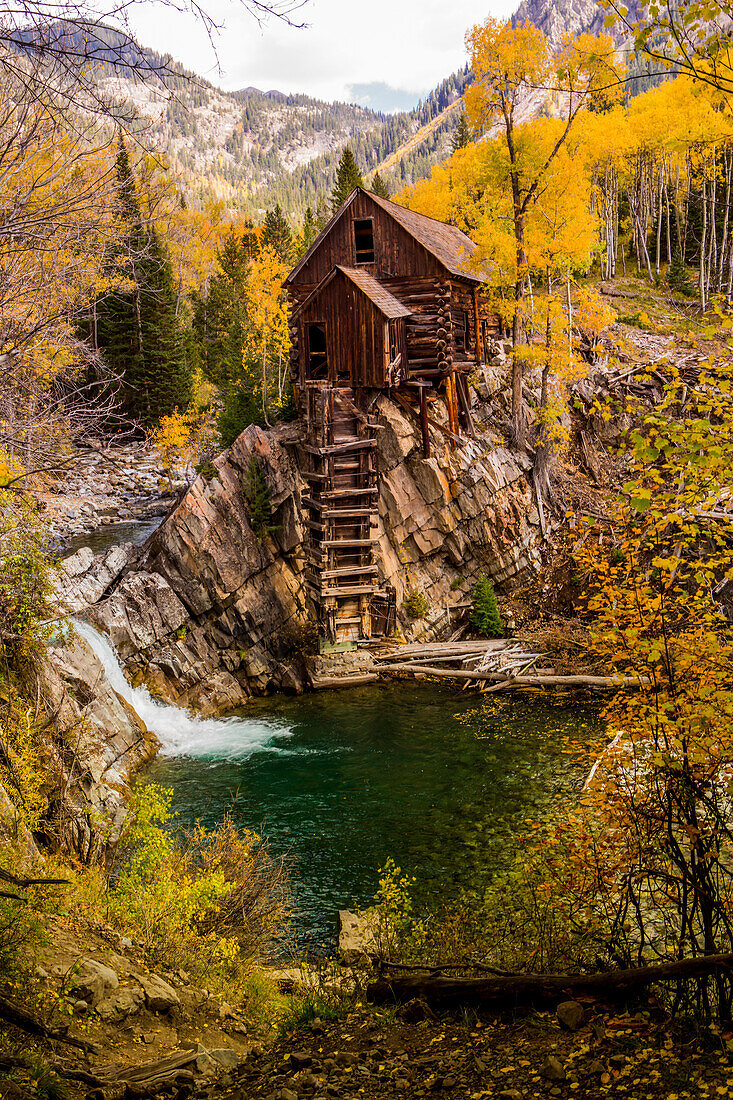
(181, 734)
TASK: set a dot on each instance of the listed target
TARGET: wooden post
(424, 422)
(478, 326)
(450, 392)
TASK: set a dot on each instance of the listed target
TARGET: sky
(384, 54)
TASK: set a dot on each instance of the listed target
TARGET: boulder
(125, 1002)
(357, 933)
(94, 982)
(552, 1069)
(159, 996)
(570, 1015)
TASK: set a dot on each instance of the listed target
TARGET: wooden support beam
(344, 543)
(424, 423)
(339, 494)
(342, 448)
(478, 326)
(348, 571)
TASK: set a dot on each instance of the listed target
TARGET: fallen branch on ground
(20, 1017)
(538, 987)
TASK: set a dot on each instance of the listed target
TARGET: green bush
(677, 275)
(415, 604)
(485, 617)
(208, 901)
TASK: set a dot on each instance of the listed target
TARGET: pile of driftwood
(491, 666)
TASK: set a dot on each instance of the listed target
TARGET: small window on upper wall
(364, 240)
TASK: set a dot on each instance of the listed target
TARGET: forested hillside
(254, 148)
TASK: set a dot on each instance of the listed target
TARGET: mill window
(316, 346)
(364, 240)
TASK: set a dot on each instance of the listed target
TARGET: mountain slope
(248, 146)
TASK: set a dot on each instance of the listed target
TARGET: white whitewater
(181, 734)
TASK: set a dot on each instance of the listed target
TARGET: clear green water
(348, 778)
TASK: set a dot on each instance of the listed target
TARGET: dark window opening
(364, 240)
(317, 358)
(466, 330)
(392, 341)
(460, 329)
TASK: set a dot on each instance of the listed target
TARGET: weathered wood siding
(396, 252)
(356, 334)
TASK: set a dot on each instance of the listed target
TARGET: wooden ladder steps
(357, 590)
(343, 448)
(344, 543)
(339, 494)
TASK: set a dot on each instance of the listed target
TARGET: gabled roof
(389, 306)
(450, 246)
(447, 243)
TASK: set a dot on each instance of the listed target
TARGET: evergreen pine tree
(308, 233)
(379, 187)
(277, 234)
(348, 177)
(136, 328)
(485, 616)
(461, 136)
(677, 276)
(221, 319)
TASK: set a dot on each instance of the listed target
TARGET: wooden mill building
(384, 302)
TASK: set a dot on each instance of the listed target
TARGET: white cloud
(408, 44)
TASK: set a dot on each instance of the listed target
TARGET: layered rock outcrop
(94, 742)
(207, 612)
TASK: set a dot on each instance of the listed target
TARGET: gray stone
(570, 1015)
(511, 1094)
(287, 1094)
(125, 1002)
(225, 1057)
(41, 974)
(300, 1059)
(159, 996)
(552, 1069)
(94, 982)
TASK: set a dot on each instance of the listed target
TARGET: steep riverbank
(208, 613)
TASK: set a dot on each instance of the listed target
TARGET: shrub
(25, 579)
(485, 617)
(415, 604)
(677, 275)
(206, 901)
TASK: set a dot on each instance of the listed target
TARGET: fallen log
(599, 682)
(15, 1014)
(357, 680)
(529, 988)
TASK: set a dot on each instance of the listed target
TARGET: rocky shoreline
(107, 486)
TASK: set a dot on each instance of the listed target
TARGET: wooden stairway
(342, 516)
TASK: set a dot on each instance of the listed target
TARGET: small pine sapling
(485, 617)
(259, 503)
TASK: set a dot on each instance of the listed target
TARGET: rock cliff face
(207, 614)
(90, 744)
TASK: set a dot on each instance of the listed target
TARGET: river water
(342, 780)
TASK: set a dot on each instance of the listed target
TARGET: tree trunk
(529, 988)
